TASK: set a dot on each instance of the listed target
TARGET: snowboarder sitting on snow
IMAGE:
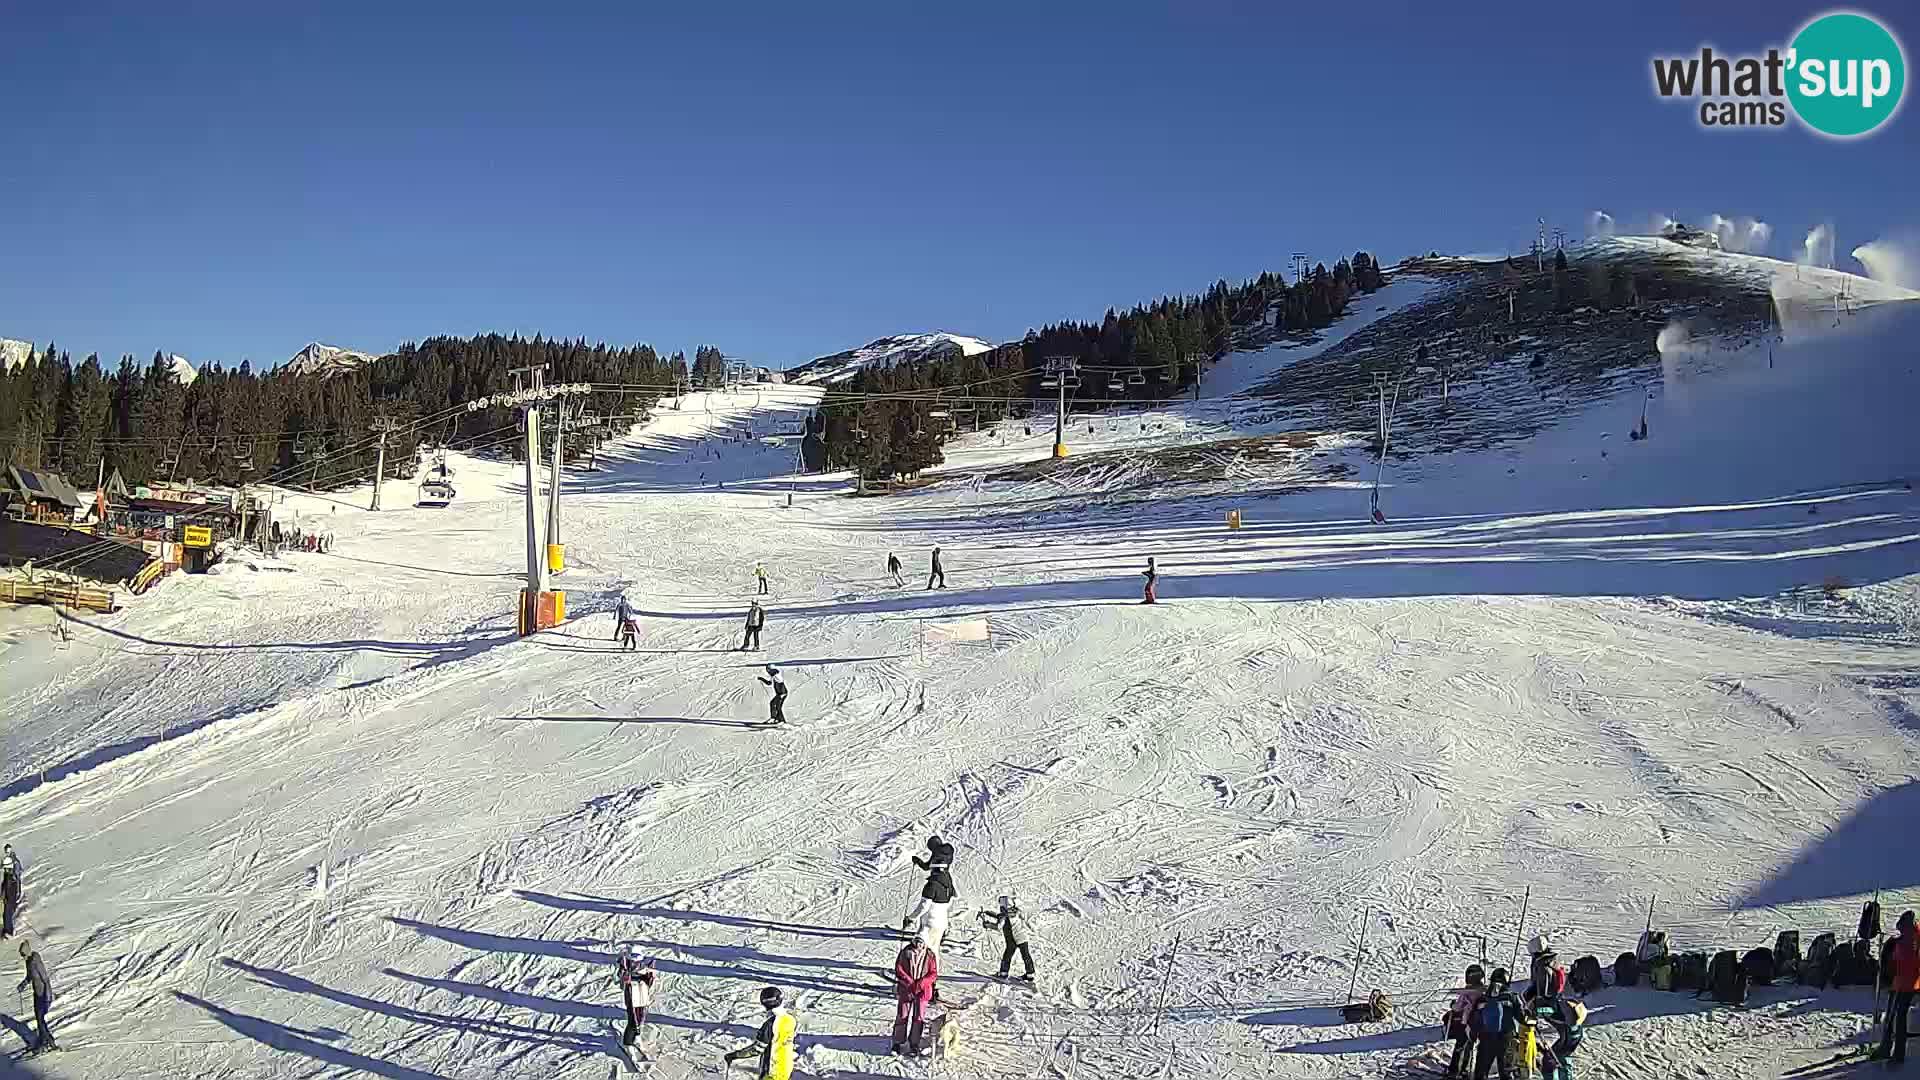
(929, 916)
(915, 971)
(1012, 925)
(9, 891)
(1459, 1014)
(756, 618)
(893, 568)
(773, 1042)
(42, 998)
(1494, 1023)
(776, 707)
(637, 979)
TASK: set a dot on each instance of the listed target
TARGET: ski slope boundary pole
(1365, 918)
(1519, 928)
(1166, 984)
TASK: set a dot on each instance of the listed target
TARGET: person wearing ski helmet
(637, 981)
(928, 919)
(1459, 1014)
(42, 997)
(773, 1043)
(1495, 1021)
(1012, 924)
(939, 853)
(777, 706)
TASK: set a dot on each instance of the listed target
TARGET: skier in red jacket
(1903, 977)
(915, 970)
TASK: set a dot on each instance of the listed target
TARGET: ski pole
(1358, 953)
(1518, 929)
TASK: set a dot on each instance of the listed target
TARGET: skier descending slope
(893, 569)
(776, 706)
(773, 1042)
(42, 998)
(637, 979)
(1012, 924)
(915, 970)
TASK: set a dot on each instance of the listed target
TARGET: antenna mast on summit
(1540, 245)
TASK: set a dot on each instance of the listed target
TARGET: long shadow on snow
(610, 906)
(698, 721)
(490, 1028)
(516, 999)
(575, 952)
(313, 1044)
(437, 653)
(1855, 857)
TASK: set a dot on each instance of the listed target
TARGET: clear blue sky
(793, 180)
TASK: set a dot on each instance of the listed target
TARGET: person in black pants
(1902, 966)
(776, 708)
(756, 618)
(1493, 1025)
(9, 892)
(42, 998)
(1013, 930)
(935, 573)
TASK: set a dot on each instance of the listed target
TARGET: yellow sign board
(197, 536)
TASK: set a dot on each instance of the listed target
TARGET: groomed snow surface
(331, 816)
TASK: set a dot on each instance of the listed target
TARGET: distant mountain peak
(885, 352)
(182, 370)
(325, 360)
(14, 353)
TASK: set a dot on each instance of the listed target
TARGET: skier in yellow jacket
(773, 1043)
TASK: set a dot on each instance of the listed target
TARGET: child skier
(776, 707)
(1459, 1016)
(626, 622)
(1566, 1022)
(773, 1042)
(1012, 925)
(915, 970)
(637, 979)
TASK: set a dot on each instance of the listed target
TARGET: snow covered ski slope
(332, 817)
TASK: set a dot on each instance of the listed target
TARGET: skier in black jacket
(929, 917)
(756, 618)
(935, 572)
(42, 997)
(9, 891)
(776, 707)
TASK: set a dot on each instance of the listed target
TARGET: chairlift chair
(1071, 382)
(1116, 384)
(1136, 379)
(1049, 383)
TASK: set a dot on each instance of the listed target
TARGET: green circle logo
(1847, 74)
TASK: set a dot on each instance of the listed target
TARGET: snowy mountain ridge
(886, 351)
(325, 360)
(13, 353)
(182, 369)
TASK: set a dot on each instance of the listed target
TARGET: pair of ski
(633, 1055)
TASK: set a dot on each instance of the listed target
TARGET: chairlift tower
(539, 609)
(383, 426)
(1061, 368)
(1299, 267)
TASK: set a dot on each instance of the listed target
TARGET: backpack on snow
(1660, 973)
(1691, 973)
(1626, 970)
(1870, 920)
(1814, 969)
(1786, 952)
(1759, 966)
(1378, 1006)
(1653, 943)
(1866, 965)
(1586, 976)
(1727, 978)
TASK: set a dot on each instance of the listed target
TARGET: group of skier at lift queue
(916, 973)
(36, 966)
